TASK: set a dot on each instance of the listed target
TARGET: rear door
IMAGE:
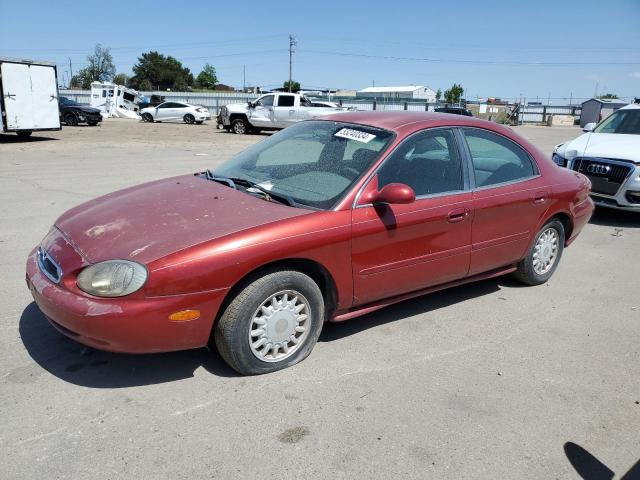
(284, 111)
(509, 199)
(44, 93)
(16, 91)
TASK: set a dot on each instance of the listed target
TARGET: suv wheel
(240, 126)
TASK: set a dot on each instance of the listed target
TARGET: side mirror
(250, 104)
(394, 193)
(589, 127)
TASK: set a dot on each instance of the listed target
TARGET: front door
(261, 114)
(402, 248)
(510, 199)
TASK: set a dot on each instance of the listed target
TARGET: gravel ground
(490, 380)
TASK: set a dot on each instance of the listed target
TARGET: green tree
(120, 79)
(81, 80)
(155, 70)
(454, 94)
(207, 78)
(608, 96)
(100, 65)
(295, 86)
(438, 95)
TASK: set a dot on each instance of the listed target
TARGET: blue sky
(493, 48)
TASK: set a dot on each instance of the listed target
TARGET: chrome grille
(605, 175)
(48, 266)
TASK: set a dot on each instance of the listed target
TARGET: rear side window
(496, 159)
(286, 100)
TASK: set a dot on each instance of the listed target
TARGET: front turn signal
(184, 315)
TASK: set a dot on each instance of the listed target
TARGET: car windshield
(314, 163)
(623, 121)
(69, 102)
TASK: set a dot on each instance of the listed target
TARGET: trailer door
(44, 93)
(16, 85)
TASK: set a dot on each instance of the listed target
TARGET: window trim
(472, 174)
(466, 179)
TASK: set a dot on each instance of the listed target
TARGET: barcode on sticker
(356, 135)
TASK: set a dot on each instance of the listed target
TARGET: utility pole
(70, 70)
(244, 79)
(292, 44)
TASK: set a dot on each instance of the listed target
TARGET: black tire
(92, 124)
(231, 332)
(147, 117)
(240, 126)
(188, 118)
(24, 134)
(70, 119)
(526, 272)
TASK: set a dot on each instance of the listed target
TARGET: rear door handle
(540, 197)
(458, 215)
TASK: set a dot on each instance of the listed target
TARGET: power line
(460, 61)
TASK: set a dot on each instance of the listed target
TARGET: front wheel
(273, 323)
(240, 126)
(188, 118)
(543, 256)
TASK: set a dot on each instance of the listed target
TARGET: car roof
(630, 106)
(402, 120)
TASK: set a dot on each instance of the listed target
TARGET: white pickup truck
(272, 111)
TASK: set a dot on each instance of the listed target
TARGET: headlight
(113, 278)
(558, 160)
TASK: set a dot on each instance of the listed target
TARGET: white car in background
(609, 154)
(175, 112)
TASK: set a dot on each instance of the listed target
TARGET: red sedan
(327, 220)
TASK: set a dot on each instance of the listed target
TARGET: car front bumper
(627, 196)
(127, 325)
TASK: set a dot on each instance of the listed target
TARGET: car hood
(604, 145)
(152, 220)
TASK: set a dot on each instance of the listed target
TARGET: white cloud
(635, 74)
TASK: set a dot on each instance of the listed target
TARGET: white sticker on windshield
(266, 185)
(356, 135)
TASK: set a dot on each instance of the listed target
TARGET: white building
(402, 92)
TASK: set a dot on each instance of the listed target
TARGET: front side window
(313, 162)
(625, 121)
(266, 101)
(496, 159)
(428, 161)
(286, 100)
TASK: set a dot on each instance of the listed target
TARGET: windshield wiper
(268, 195)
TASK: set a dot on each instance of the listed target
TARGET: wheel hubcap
(239, 127)
(279, 326)
(545, 251)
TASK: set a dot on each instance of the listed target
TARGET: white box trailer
(28, 96)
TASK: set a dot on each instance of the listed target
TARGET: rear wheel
(273, 323)
(147, 117)
(240, 126)
(188, 118)
(543, 257)
(70, 119)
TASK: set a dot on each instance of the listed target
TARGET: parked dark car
(72, 113)
(454, 110)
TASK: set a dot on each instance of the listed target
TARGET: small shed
(596, 109)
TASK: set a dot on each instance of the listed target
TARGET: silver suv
(609, 154)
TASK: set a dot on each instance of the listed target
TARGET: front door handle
(458, 215)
